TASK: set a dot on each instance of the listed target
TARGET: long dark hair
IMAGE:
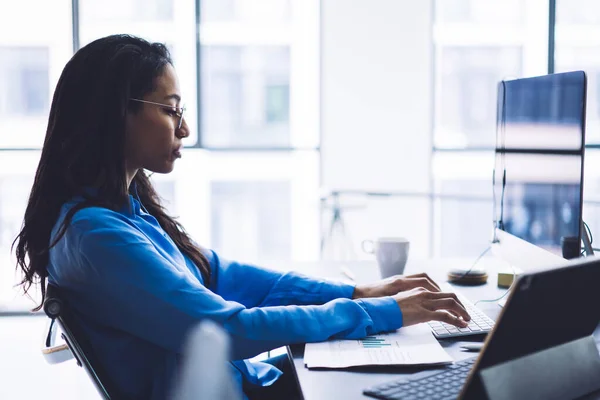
(85, 148)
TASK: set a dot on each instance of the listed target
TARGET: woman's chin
(163, 169)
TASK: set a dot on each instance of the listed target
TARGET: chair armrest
(52, 352)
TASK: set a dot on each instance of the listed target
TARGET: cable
(591, 237)
(505, 293)
(589, 231)
(474, 264)
(483, 253)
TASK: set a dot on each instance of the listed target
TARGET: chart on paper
(413, 345)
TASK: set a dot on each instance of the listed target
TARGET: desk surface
(349, 383)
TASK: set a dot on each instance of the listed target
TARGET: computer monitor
(538, 170)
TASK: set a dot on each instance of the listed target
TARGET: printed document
(412, 345)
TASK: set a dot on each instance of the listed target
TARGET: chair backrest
(58, 311)
(205, 373)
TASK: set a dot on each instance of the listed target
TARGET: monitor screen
(538, 170)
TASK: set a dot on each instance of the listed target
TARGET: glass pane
(591, 192)
(14, 192)
(246, 69)
(479, 11)
(245, 96)
(166, 191)
(147, 18)
(468, 90)
(109, 11)
(24, 81)
(251, 220)
(578, 48)
(577, 12)
(479, 43)
(245, 10)
(587, 58)
(34, 46)
(464, 217)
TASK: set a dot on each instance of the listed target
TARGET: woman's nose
(184, 130)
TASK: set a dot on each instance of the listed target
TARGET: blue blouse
(135, 295)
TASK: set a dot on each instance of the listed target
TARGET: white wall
(376, 115)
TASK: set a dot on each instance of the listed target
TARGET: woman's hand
(420, 305)
(394, 285)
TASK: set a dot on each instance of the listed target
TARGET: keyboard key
(479, 323)
(445, 384)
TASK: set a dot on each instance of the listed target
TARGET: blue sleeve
(253, 286)
(125, 283)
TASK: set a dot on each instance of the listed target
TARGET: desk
(348, 384)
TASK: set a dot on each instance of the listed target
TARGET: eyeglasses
(177, 110)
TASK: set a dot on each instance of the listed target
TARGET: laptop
(541, 346)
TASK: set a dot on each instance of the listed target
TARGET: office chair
(76, 345)
(205, 373)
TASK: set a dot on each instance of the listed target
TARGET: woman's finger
(444, 295)
(449, 305)
(424, 275)
(448, 318)
(420, 282)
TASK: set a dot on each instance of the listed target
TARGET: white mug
(391, 254)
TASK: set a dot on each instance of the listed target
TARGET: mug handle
(368, 246)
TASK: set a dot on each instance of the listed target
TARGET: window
(24, 79)
(30, 64)
(477, 44)
(251, 206)
(251, 220)
(110, 11)
(463, 180)
(258, 93)
(256, 88)
(246, 55)
(34, 47)
(578, 48)
(269, 11)
(591, 192)
(461, 228)
(15, 185)
(468, 86)
(246, 96)
(577, 12)
(480, 11)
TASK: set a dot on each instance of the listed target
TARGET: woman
(134, 279)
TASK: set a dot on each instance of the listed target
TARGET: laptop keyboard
(479, 323)
(445, 385)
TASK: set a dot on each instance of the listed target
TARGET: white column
(376, 112)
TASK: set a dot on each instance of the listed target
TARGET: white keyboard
(479, 323)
